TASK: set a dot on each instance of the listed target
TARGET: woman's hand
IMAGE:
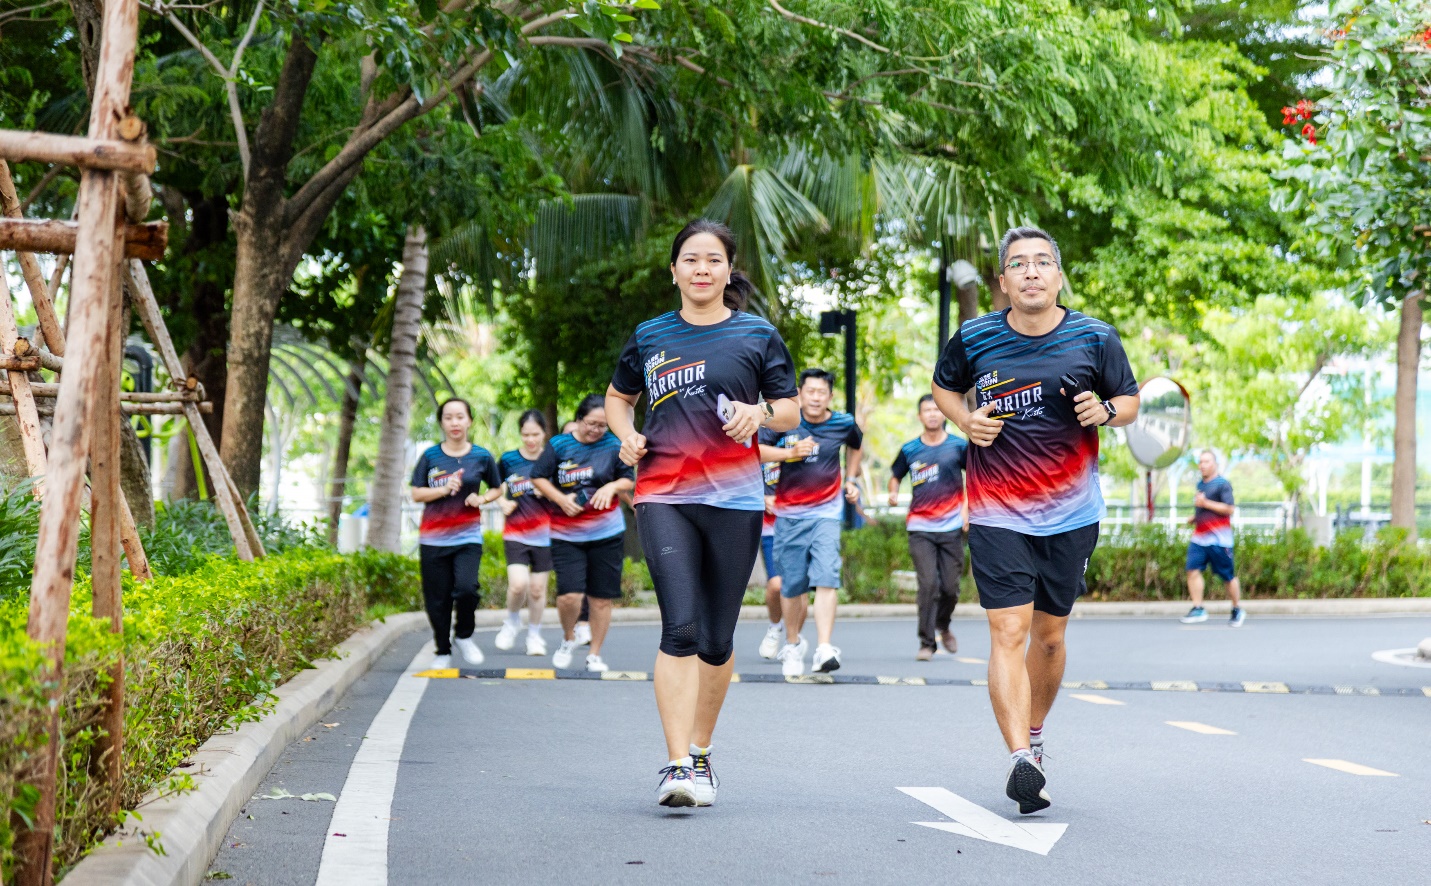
(473, 500)
(604, 498)
(747, 420)
(508, 506)
(633, 449)
(568, 505)
(453, 484)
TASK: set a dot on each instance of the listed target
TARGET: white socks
(514, 619)
(699, 751)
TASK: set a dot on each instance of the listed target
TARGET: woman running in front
(446, 480)
(713, 376)
(526, 537)
(581, 474)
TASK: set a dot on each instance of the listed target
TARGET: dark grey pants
(938, 564)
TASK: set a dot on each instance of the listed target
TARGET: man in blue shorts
(1045, 378)
(1211, 545)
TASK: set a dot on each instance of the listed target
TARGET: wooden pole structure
(96, 262)
(29, 267)
(105, 570)
(146, 241)
(106, 154)
(226, 494)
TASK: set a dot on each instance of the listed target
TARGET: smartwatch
(769, 411)
(1112, 411)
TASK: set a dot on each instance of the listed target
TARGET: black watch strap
(1112, 410)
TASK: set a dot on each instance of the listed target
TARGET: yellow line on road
(1349, 767)
(531, 674)
(1095, 699)
(439, 674)
(1200, 728)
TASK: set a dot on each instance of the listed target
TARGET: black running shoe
(1025, 786)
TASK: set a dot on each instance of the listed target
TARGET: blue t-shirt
(770, 473)
(1040, 475)
(531, 522)
(936, 474)
(580, 469)
(1209, 528)
(810, 488)
(449, 521)
(683, 369)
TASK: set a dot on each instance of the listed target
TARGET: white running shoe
(536, 645)
(596, 665)
(506, 637)
(704, 776)
(468, 647)
(678, 785)
(582, 634)
(792, 658)
(827, 658)
(441, 662)
(770, 646)
(562, 660)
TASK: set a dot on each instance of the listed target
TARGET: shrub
(201, 651)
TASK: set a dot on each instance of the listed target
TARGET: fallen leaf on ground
(331, 725)
(281, 794)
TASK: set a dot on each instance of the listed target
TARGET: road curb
(228, 769)
(1325, 608)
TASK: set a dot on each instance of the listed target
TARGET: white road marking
(1405, 657)
(973, 820)
(359, 857)
(972, 660)
(1094, 699)
(1350, 767)
(1201, 728)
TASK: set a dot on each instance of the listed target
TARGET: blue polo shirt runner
(1212, 529)
(936, 474)
(811, 487)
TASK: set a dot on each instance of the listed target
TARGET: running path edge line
(355, 848)
(230, 767)
(1246, 687)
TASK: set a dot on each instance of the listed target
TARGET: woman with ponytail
(713, 376)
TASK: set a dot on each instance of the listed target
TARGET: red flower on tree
(1310, 133)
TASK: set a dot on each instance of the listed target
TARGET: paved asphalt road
(507, 781)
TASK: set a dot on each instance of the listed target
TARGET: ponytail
(738, 291)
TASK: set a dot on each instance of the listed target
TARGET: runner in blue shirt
(712, 375)
(447, 480)
(1211, 544)
(1045, 378)
(581, 474)
(526, 536)
(934, 463)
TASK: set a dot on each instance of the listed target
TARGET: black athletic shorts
(1013, 569)
(700, 557)
(589, 567)
(537, 559)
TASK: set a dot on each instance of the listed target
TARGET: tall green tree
(1360, 172)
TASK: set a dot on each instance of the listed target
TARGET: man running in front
(1045, 378)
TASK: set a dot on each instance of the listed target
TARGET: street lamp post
(832, 323)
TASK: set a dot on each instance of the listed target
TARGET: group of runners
(737, 455)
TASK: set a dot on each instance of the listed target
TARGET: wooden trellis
(109, 240)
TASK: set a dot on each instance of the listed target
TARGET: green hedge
(202, 652)
(1147, 564)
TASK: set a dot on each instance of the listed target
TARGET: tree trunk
(1403, 468)
(134, 476)
(352, 396)
(999, 299)
(968, 303)
(385, 492)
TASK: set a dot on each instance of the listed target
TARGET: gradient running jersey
(580, 469)
(531, 522)
(1209, 528)
(449, 521)
(1040, 476)
(683, 369)
(770, 473)
(937, 479)
(811, 487)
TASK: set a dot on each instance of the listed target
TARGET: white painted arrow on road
(973, 820)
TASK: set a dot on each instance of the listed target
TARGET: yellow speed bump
(901, 681)
(1265, 687)
(531, 674)
(440, 674)
(1174, 686)
(811, 678)
(637, 676)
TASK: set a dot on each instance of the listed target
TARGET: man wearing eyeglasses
(1045, 379)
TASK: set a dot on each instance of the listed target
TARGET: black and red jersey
(531, 522)
(1040, 475)
(810, 487)
(770, 473)
(580, 469)
(683, 370)
(936, 476)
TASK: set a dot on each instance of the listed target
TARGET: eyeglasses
(594, 426)
(1019, 266)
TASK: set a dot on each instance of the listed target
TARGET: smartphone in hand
(726, 410)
